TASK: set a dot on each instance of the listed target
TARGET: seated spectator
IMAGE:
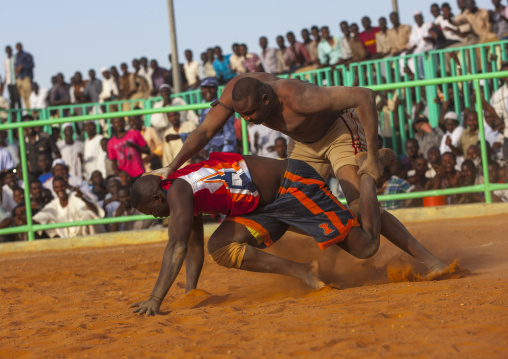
(9, 184)
(425, 135)
(71, 151)
(434, 161)
(479, 21)
(329, 49)
(469, 177)
(152, 139)
(68, 208)
(396, 184)
(18, 196)
(111, 203)
(446, 175)
(268, 56)
(251, 62)
(417, 176)
(499, 102)
(125, 209)
(38, 196)
(473, 153)
(160, 120)
(469, 136)
(172, 139)
(453, 132)
(398, 35)
(236, 59)
(60, 169)
(191, 69)
(262, 140)
(125, 149)
(6, 161)
(109, 90)
(44, 163)
(296, 55)
(98, 185)
(125, 179)
(92, 159)
(281, 53)
(383, 44)
(222, 66)
(500, 195)
(93, 87)
(281, 148)
(368, 36)
(412, 153)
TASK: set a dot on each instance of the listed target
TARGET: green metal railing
(487, 187)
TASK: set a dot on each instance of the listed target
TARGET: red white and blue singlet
(221, 184)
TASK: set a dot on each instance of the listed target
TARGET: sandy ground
(75, 303)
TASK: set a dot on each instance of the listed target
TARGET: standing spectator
(310, 45)
(236, 59)
(479, 21)
(436, 12)
(500, 23)
(10, 78)
(92, 159)
(191, 69)
(152, 139)
(115, 75)
(296, 55)
(368, 36)
(358, 50)
(169, 75)
(38, 97)
(11, 148)
(419, 41)
(329, 49)
(499, 102)
(103, 158)
(383, 44)
(60, 94)
(77, 90)
(24, 74)
(426, 136)
(251, 62)
(66, 208)
(172, 137)
(36, 144)
(93, 88)
(127, 86)
(398, 35)
(208, 70)
(222, 66)
(397, 184)
(109, 90)
(313, 46)
(268, 56)
(281, 53)
(142, 87)
(146, 72)
(160, 120)
(344, 40)
(71, 151)
(159, 75)
(125, 149)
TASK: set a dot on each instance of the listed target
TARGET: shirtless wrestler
(262, 197)
(328, 126)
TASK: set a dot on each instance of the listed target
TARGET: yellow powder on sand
(197, 293)
(453, 271)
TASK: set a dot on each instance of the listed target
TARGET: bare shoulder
(261, 76)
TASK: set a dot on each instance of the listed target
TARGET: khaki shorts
(336, 149)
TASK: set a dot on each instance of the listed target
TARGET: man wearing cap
(71, 151)
(425, 135)
(453, 132)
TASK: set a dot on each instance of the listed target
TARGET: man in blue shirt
(24, 74)
(222, 66)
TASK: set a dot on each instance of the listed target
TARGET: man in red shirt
(368, 37)
(125, 149)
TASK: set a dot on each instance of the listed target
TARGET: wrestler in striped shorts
(304, 202)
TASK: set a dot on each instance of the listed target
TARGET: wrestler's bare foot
(311, 277)
(387, 156)
(436, 269)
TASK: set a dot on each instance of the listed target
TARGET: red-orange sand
(75, 303)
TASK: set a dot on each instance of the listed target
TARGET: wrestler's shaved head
(248, 87)
(143, 190)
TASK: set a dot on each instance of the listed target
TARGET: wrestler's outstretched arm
(185, 233)
(310, 100)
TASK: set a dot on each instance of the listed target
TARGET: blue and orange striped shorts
(304, 201)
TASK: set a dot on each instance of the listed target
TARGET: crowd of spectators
(76, 172)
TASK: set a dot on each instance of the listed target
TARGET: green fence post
(24, 167)
(485, 164)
